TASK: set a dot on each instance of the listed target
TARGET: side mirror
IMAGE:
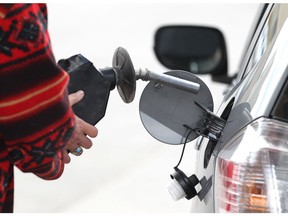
(200, 50)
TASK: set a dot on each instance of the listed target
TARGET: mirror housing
(197, 49)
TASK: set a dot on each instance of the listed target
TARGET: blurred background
(126, 170)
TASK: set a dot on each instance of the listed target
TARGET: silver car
(243, 147)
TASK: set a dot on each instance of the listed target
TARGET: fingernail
(80, 92)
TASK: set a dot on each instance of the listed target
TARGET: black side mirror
(200, 50)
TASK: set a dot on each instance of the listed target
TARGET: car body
(247, 163)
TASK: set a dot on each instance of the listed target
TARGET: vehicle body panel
(255, 91)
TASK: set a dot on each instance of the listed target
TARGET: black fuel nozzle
(97, 83)
(96, 86)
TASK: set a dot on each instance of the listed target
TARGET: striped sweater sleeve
(35, 117)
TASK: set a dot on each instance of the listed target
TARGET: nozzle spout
(175, 82)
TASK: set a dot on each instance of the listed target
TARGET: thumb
(75, 97)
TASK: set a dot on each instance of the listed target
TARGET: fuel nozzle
(97, 83)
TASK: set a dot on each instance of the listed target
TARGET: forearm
(36, 119)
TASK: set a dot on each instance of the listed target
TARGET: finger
(71, 146)
(87, 128)
(75, 97)
(85, 142)
(78, 139)
(66, 157)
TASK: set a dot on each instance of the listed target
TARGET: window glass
(269, 31)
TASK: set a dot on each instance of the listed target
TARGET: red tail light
(252, 170)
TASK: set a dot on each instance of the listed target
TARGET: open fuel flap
(174, 116)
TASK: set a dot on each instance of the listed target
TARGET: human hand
(82, 129)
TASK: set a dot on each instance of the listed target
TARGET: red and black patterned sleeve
(35, 117)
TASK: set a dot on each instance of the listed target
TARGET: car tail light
(252, 170)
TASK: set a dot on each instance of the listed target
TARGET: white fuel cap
(175, 190)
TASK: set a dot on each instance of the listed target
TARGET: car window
(267, 35)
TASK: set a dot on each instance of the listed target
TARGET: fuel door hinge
(212, 126)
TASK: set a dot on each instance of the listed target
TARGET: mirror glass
(200, 50)
(169, 114)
